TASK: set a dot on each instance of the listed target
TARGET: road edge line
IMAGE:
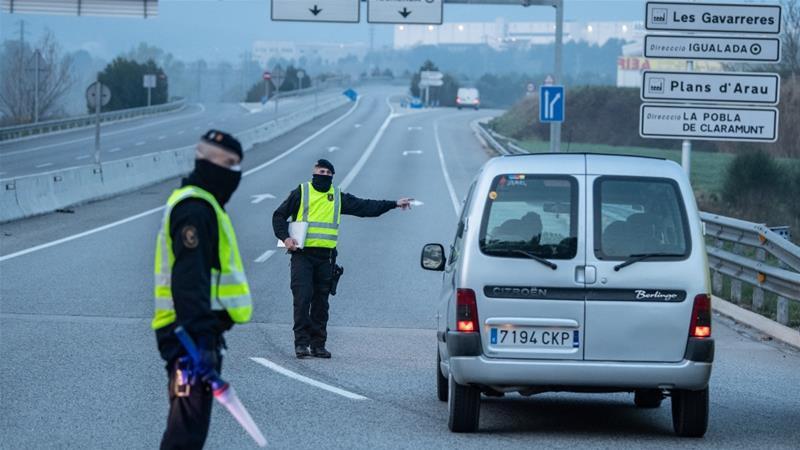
(450, 189)
(756, 321)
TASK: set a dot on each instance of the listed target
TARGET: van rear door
(639, 242)
(529, 300)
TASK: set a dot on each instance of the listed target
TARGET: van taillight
(700, 326)
(466, 311)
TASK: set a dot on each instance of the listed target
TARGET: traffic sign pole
(686, 145)
(555, 127)
(98, 102)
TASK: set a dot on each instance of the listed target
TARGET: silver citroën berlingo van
(576, 272)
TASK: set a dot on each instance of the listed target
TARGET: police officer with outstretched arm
(200, 284)
(320, 204)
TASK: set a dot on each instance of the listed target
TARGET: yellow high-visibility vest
(229, 288)
(322, 211)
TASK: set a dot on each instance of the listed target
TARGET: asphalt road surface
(79, 366)
(139, 136)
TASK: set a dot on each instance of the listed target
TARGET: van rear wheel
(648, 398)
(441, 381)
(690, 412)
(464, 406)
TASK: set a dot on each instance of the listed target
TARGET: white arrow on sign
(412, 152)
(256, 199)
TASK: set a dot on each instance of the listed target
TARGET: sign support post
(97, 104)
(686, 146)
(555, 127)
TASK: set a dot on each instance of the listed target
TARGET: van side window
(534, 214)
(638, 215)
(456, 248)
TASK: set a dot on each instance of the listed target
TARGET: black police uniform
(195, 245)
(312, 267)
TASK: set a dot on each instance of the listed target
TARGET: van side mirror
(432, 257)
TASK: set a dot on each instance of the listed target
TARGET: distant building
(502, 34)
(631, 64)
(264, 51)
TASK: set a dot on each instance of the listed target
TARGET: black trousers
(312, 275)
(189, 417)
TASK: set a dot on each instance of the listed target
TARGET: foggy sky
(222, 29)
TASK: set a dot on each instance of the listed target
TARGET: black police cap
(224, 140)
(325, 164)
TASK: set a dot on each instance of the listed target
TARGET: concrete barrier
(42, 193)
(9, 207)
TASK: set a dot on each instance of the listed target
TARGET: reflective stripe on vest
(229, 289)
(322, 211)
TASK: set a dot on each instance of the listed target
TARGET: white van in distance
(468, 97)
(579, 273)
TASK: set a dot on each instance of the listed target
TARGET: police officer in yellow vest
(199, 283)
(320, 204)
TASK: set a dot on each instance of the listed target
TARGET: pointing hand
(405, 203)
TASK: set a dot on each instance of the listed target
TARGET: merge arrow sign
(404, 12)
(315, 10)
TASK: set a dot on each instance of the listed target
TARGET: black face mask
(322, 183)
(217, 180)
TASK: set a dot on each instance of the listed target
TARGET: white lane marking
(447, 180)
(181, 132)
(414, 128)
(358, 125)
(412, 152)
(139, 143)
(108, 133)
(160, 208)
(304, 141)
(115, 150)
(370, 148)
(258, 198)
(41, 166)
(79, 235)
(161, 138)
(82, 157)
(318, 384)
(332, 149)
(267, 255)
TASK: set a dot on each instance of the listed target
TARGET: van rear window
(637, 215)
(535, 214)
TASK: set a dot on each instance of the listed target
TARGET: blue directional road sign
(551, 103)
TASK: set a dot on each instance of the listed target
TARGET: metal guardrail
(783, 281)
(34, 129)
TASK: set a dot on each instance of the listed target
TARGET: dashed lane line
(107, 133)
(115, 150)
(42, 166)
(267, 255)
(310, 381)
